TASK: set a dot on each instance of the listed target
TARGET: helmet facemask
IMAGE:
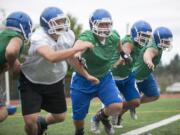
(58, 25)
(103, 27)
(143, 38)
(165, 44)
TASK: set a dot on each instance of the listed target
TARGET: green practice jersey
(5, 37)
(140, 68)
(101, 57)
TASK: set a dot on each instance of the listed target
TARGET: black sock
(79, 131)
(42, 122)
(101, 115)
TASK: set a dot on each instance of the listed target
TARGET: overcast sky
(156, 12)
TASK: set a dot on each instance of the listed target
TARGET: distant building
(174, 87)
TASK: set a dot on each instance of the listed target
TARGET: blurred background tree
(168, 74)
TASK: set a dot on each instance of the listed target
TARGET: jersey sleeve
(127, 39)
(87, 36)
(116, 34)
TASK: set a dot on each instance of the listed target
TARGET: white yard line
(153, 126)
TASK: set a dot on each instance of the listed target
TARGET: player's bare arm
(55, 56)
(12, 51)
(17, 67)
(149, 54)
(127, 47)
(80, 45)
(79, 65)
(125, 51)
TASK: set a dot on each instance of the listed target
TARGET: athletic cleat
(118, 123)
(95, 126)
(42, 126)
(133, 113)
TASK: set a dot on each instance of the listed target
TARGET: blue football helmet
(163, 37)
(20, 22)
(98, 18)
(54, 21)
(141, 32)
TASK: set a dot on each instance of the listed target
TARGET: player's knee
(3, 114)
(116, 107)
(156, 98)
(135, 103)
(151, 98)
(3, 117)
(11, 53)
(30, 123)
(60, 117)
(119, 107)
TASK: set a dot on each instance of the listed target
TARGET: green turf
(147, 114)
(170, 129)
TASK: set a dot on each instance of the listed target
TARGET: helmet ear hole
(101, 23)
(21, 22)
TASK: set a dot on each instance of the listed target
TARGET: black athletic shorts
(35, 97)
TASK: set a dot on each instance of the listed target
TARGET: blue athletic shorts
(82, 91)
(128, 88)
(149, 87)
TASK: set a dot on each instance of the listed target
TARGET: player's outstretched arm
(125, 51)
(56, 56)
(149, 54)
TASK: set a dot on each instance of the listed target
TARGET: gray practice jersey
(39, 70)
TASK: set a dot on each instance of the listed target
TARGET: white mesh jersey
(39, 70)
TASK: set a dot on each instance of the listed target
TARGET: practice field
(147, 114)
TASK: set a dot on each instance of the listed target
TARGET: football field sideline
(153, 126)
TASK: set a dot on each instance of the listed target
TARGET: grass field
(147, 114)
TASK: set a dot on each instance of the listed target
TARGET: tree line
(168, 74)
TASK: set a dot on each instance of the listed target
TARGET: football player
(149, 58)
(96, 80)
(122, 70)
(17, 32)
(43, 72)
